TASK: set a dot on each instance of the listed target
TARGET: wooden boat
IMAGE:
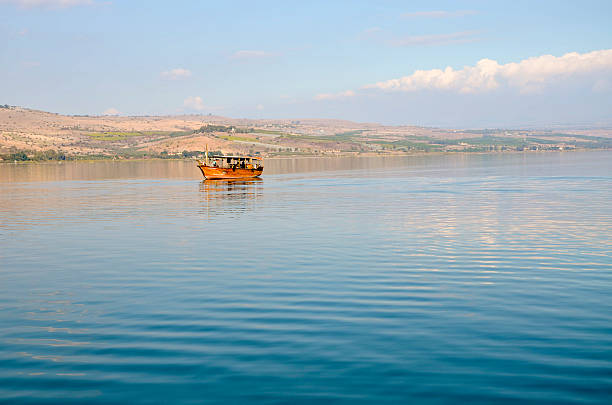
(231, 167)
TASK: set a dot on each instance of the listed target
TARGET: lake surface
(440, 279)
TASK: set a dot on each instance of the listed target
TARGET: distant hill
(40, 135)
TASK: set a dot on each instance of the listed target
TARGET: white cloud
(194, 103)
(527, 75)
(112, 111)
(260, 107)
(333, 96)
(49, 3)
(176, 74)
(439, 14)
(251, 54)
(437, 39)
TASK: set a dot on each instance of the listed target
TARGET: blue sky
(296, 59)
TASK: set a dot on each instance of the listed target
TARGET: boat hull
(219, 173)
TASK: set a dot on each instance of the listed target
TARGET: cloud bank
(527, 75)
(541, 90)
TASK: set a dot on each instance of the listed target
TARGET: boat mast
(206, 155)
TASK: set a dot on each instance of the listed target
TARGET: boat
(230, 167)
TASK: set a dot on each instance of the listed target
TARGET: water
(442, 279)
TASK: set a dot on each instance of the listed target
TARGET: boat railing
(231, 162)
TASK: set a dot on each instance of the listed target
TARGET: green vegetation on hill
(348, 135)
(37, 156)
(119, 136)
(53, 155)
(238, 138)
(223, 128)
(405, 146)
(114, 136)
(271, 132)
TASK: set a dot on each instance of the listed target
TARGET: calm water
(443, 279)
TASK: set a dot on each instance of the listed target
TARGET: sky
(467, 64)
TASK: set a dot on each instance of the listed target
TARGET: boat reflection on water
(223, 197)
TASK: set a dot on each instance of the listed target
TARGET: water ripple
(445, 279)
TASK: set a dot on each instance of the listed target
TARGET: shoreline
(290, 157)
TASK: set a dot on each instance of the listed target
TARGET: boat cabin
(234, 162)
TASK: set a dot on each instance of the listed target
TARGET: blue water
(429, 279)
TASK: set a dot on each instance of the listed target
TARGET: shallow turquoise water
(443, 279)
